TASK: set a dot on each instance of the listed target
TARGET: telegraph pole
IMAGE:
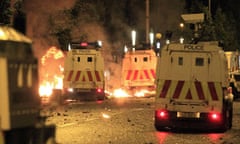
(12, 7)
(209, 7)
(147, 21)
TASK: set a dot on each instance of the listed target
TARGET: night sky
(164, 15)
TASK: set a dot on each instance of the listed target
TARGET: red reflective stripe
(199, 90)
(89, 76)
(129, 74)
(70, 75)
(212, 91)
(146, 74)
(135, 75)
(97, 76)
(189, 95)
(178, 89)
(153, 73)
(165, 89)
(77, 75)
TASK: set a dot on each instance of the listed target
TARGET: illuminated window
(89, 59)
(199, 62)
(180, 60)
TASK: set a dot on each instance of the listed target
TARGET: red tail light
(161, 114)
(215, 116)
(84, 44)
(99, 90)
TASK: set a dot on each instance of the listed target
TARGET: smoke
(38, 13)
(164, 15)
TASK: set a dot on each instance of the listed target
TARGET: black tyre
(160, 128)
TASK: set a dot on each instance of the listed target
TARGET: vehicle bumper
(173, 122)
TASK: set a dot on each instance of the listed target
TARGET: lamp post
(147, 21)
(209, 7)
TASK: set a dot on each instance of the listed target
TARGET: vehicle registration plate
(188, 114)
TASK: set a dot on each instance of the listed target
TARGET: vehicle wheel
(159, 128)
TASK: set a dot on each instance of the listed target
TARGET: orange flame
(118, 93)
(51, 71)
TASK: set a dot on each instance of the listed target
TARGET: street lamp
(181, 25)
(151, 35)
(181, 40)
(133, 39)
(181, 37)
(158, 43)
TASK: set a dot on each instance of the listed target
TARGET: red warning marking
(89, 76)
(70, 75)
(212, 91)
(97, 76)
(189, 95)
(165, 89)
(129, 75)
(153, 73)
(141, 77)
(78, 75)
(83, 79)
(178, 89)
(199, 90)
(135, 75)
(146, 74)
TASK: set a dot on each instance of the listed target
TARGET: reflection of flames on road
(121, 93)
(144, 93)
(106, 116)
(51, 71)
